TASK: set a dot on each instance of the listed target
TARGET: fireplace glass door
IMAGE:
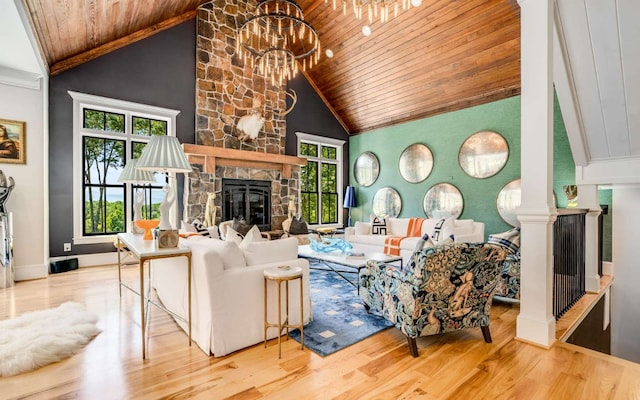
(249, 200)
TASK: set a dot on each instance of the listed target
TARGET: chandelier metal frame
(276, 38)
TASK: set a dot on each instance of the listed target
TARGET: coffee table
(345, 260)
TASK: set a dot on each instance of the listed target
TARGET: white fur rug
(38, 338)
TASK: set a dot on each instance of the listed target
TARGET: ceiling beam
(94, 53)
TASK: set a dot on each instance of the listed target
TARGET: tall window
(320, 179)
(108, 133)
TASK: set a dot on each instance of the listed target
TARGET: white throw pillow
(233, 236)
(362, 228)
(231, 254)
(378, 225)
(253, 235)
(187, 227)
(442, 230)
(271, 251)
(213, 232)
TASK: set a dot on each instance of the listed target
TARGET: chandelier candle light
(276, 38)
(379, 9)
(164, 154)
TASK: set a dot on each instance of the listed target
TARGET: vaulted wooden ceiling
(442, 56)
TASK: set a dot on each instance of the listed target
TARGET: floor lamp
(350, 201)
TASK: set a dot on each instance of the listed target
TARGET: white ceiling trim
(14, 77)
(621, 171)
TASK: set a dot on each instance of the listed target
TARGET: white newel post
(537, 212)
(588, 198)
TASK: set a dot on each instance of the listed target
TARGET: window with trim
(320, 179)
(107, 134)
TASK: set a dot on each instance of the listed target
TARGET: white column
(536, 323)
(588, 198)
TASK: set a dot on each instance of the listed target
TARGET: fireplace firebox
(249, 200)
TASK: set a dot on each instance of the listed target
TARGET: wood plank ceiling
(442, 56)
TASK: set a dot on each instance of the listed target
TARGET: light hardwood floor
(450, 366)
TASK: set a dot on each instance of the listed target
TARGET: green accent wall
(444, 134)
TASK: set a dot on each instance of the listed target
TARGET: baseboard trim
(29, 272)
(91, 260)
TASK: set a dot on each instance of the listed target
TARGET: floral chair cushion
(509, 282)
(444, 288)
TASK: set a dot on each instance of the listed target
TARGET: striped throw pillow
(509, 239)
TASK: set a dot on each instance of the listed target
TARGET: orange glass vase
(147, 225)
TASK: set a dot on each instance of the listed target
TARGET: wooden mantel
(210, 156)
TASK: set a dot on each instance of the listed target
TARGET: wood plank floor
(451, 366)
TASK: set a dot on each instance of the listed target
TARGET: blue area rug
(339, 317)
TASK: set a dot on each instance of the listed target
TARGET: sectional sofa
(363, 235)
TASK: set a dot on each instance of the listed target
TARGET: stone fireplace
(224, 88)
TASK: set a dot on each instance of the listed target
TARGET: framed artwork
(13, 147)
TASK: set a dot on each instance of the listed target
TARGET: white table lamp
(164, 154)
(137, 177)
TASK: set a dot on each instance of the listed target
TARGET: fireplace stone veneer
(220, 70)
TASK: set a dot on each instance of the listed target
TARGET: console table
(147, 250)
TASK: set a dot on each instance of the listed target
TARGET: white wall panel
(28, 199)
(628, 11)
(576, 33)
(603, 25)
(625, 302)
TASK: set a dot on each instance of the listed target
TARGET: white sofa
(228, 290)
(360, 236)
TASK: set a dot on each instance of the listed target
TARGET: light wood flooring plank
(450, 366)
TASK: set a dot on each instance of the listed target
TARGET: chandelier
(376, 9)
(276, 39)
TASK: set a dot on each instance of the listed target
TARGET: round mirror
(443, 200)
(366, 168)
(508, 200)
(483, 154)
(387, 203)
(416, 163)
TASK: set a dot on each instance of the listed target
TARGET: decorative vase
(147, 225)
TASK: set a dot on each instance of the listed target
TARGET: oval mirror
(483, 154)
(508, 200)
(443, 200)
(387, 203)
(416, 163)
(366, 168)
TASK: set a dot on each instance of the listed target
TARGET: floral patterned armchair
(509, 282)
(442, 289)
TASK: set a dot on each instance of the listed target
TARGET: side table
(147, 250)
(279, 275)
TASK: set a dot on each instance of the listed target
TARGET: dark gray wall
(311, 115)
(158, 71)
